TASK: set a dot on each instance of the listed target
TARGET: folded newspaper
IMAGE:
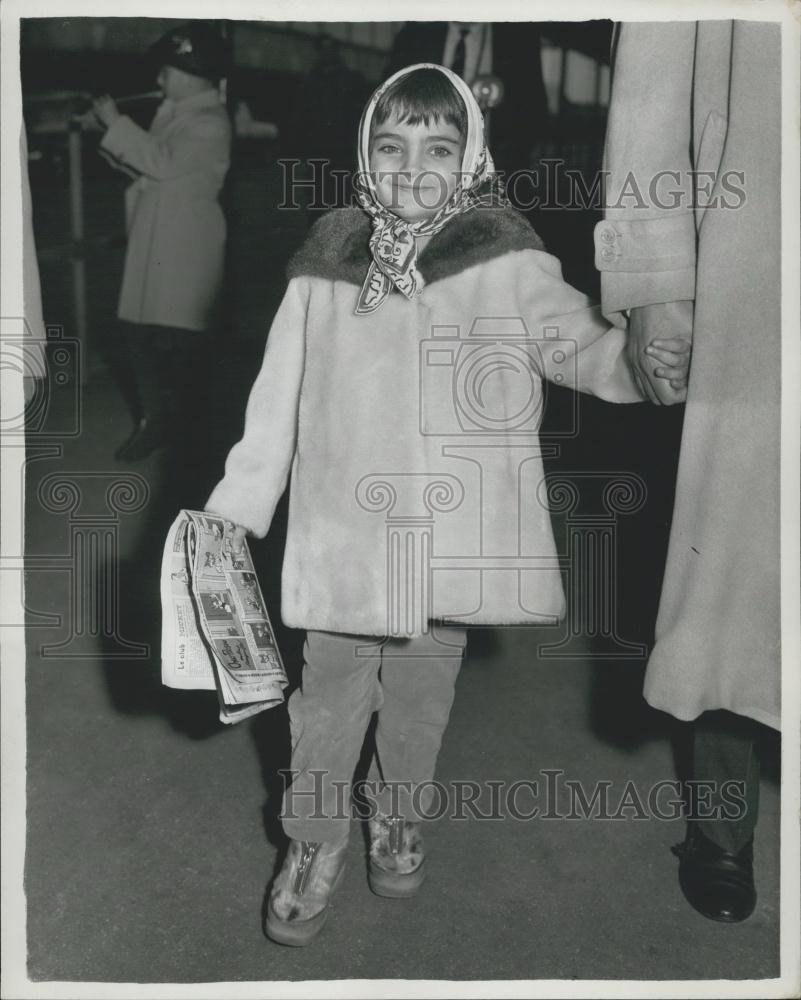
(216, 633)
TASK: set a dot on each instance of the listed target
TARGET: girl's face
(415, 168)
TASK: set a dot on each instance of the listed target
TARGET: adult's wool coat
(176, 228)
(706, 96)
(410, 434)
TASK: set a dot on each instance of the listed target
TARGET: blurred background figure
(176, 232)
(508, 50)
(326, 111)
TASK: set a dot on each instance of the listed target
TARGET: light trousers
(410, 683)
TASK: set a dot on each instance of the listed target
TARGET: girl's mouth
(414, 188)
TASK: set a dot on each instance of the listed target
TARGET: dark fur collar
(337, 245)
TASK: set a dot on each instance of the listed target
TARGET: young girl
(399, 488)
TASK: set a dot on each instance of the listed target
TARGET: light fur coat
(410, 434)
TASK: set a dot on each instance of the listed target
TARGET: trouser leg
(122, 367)
(329, 715)
(168, 371)
(723, 752)
(417, 684)
(148, 353)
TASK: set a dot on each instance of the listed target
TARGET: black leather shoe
(717, 883)
(143, 441)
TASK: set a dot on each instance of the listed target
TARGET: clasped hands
(659, 348)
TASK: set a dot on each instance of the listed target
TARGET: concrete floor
(152, 829)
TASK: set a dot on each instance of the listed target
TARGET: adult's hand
(661, 321)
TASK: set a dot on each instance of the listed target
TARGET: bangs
(422, 98)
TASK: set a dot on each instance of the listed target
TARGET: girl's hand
(106, 110)
(660, 321)
(238, 539)
(674, 358)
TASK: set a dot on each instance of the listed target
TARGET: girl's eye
(440, 152)
(388, 147)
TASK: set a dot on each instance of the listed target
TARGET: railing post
(77, 235)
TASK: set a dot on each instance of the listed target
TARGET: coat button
(607, 254)
(608, 235)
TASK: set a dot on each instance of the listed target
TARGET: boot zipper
(395, 835)
(308, 852)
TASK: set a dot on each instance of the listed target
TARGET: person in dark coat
(508, 50)
(326, 113)
(328, 107)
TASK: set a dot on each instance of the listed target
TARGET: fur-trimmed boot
(395, 867)
(302, 891)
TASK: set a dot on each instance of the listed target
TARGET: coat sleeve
(577, 347)
(645, 246)
(257, 467)
(201, 140)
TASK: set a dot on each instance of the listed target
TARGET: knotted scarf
(392, 244)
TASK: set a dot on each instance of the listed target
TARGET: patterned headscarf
(392, 244)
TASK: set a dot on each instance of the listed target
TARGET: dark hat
(195, 48)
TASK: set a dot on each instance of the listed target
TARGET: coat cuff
(118, 136)
(643, 245)
(228, 503)
(645, 261)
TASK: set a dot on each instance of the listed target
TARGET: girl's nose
(411, 165)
